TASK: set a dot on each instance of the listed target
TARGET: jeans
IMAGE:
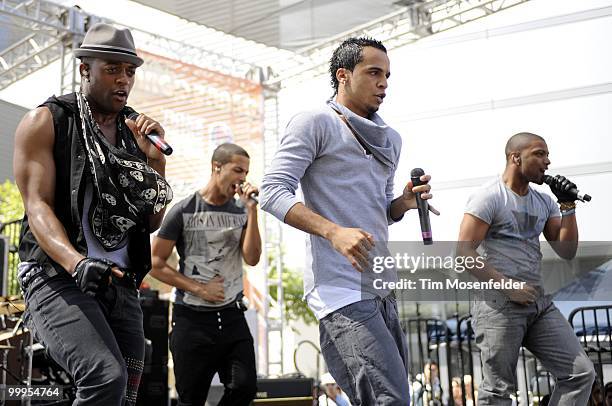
(98, 341)
(207, 342)
(502, 326)
(365, 350)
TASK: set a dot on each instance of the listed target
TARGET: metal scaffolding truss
(194, 55)
(48, 29)
(417, 20)
(51, 31)
(274, 318)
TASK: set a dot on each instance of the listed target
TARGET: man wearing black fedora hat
(93, 190)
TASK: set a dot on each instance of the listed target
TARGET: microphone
(253, 196)
(423, 206)
(550, 181)
(154, 138)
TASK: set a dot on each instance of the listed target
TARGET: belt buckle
(242, 303)
(131, 276)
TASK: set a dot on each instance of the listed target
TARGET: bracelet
(564, 206)
(568, 212)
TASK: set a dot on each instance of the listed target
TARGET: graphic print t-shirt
(208, 243)
(512, 244)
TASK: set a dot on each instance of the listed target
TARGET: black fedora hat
(107, 42)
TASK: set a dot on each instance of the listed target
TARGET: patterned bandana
(126, 189)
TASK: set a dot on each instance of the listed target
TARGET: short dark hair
(224, 153)
(349, 54)
(519, 142)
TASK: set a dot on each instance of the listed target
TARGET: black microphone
(422, 205)
(549, 180)
(253, 196)
(155, 139)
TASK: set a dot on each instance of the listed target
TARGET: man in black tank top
(93, 190)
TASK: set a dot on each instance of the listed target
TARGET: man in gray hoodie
(345, 156)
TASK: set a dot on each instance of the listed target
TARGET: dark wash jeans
(207, 342)
(365, 350)
(98, 341)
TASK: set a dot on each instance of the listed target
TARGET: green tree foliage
(11, 206)
(293, 287)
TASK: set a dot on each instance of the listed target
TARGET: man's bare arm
(250, 240)
(34, 169)
(562, 234)
(160, 252)
(471, 233)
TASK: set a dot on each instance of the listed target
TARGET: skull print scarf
(126, 189)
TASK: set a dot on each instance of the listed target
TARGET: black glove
(560, 186)
(92, 275)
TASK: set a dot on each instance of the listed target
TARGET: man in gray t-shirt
(208, 245)
(507, 216)
(212, 233)
(515, 224)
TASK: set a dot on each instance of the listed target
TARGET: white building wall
(10, 116)
(457, 100)
(543, 67)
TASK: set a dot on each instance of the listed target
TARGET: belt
(28, 271)
(128, 280)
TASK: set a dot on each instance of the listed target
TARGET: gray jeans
(366, 353)
(99, 342)
(502, 326)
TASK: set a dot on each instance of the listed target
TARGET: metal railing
(594, 330)
(451, 346)
(11, 230)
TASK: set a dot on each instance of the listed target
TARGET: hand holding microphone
(248, 193)
(151, 129)
(564, 189)
(422, 205)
